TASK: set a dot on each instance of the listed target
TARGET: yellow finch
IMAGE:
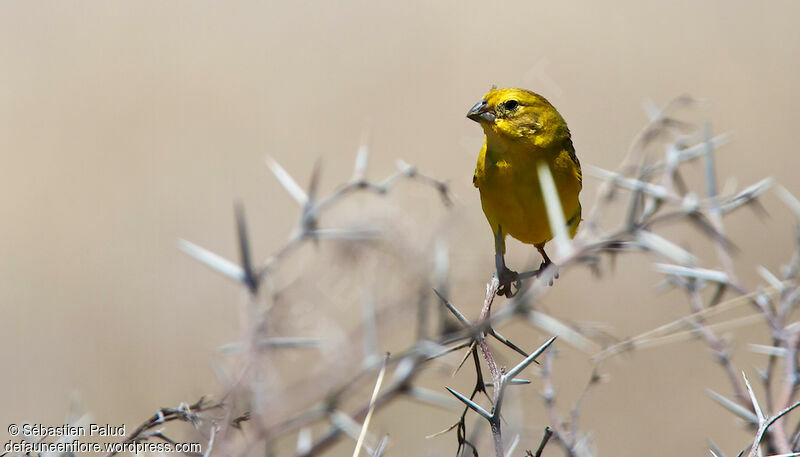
(522, 130)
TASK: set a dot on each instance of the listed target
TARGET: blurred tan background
(125, 126)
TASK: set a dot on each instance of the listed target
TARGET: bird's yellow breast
(511, 196)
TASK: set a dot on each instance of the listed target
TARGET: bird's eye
(511, 104)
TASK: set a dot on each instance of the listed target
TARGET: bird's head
(518, 115)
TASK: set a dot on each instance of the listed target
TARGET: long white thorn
(287, 182)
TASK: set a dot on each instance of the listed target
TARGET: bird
(522, 130)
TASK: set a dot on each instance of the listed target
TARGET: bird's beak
(481, 112)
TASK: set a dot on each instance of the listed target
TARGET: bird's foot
(507, 277)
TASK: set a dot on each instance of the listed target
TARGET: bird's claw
(507, 277)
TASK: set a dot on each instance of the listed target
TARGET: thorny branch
(192, 414)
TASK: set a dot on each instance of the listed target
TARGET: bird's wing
(574, 158)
